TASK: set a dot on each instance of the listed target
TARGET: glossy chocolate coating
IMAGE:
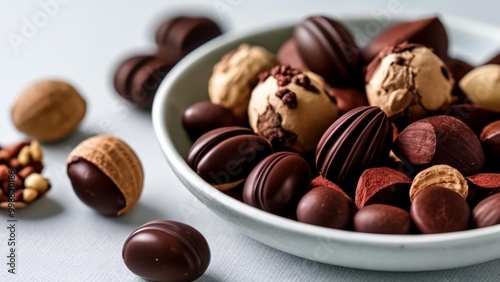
(328, 49)
(138, 78)
(94, 188)
(227, 154)
(289, 55)
(202, 117)
(358, 140)
(487, 212)
(348, 98)
(383, 219)
(324, 206)
(429, 32)
(178, 36)
(277, 183)
(162, 250)
(438, 210)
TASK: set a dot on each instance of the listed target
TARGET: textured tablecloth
(60, 239)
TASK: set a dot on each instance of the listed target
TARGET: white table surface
(58, 237)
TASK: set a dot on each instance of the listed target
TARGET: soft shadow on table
(41, 208)
(139, 215)
(72, 141)
(209, 278)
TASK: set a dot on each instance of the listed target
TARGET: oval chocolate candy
(202, 117)
(225, 156)
(277, 183)
(439, 210)
(162, 250)
(325, 206)
(487, 212)
(383, 219)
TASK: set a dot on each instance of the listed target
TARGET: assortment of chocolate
(395, 138)
(20, 175)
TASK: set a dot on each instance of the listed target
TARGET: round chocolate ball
(163, 250)
(202, 117)
(383, 219)
(325, 206)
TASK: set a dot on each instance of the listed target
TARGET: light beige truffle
(482, 86)
(408, 80)
(291, 109)
(234, 77)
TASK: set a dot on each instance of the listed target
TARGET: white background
(60, 239)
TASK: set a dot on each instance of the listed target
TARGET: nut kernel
(24, 156)
(37, 182)
(439, 175)
(36, 152)
(29, 195)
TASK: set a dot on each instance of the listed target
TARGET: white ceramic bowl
(187, 84)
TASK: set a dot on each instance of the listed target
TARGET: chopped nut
(439, 175)
(36, 151)
(24, 156)
(37, 182)
(29, 194)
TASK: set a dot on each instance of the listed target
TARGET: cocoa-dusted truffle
(291, 108)
(409, 81)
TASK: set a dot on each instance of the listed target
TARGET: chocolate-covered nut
(383, 219)
(490, 137)
(429, 32)
(277, 183)
(106, 174)
(202, 117)
(481, 86)
(324, 206)
(289, 55)
(443, 176)
(487, 212)
(458, 69)
(474, 116)
(358, 140)
(225, 156)
(481, 186)
(441, 140)
(178, 36)
(163, 250)
(138, 78)
(94, 188)
(320, 181)
(383, 185)
(328, 49)
(438, 210)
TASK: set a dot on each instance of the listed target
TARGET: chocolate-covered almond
(358, 140)
(490, 137)
(225, 156)
(178, 36)
(138, 78)
(428, 31)
(328, 49)
(487, 212)
(441, 140)
(439, 210)
(383, 219)
(202, 117)
(163, 250)
(277, 183)
(481, 186)
(324, 206)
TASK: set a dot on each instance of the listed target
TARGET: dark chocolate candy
(458, 69)
(94, 188)
(324, 206)
(225, 156)
(138, 78)
(490, 137)
(358, 140)
(348, 98)
(328, 49)
(487, 212)
(162, 250)
(178, 36)
(481, 186)
(439, 210)
(289, 55)
(202, 117)
(429, 32)
(383, 219)
(441, 140)
(474, 116)
(277, 183)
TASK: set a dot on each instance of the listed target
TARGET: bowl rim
(182, 170)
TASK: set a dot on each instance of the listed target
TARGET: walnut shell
(48, 110)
